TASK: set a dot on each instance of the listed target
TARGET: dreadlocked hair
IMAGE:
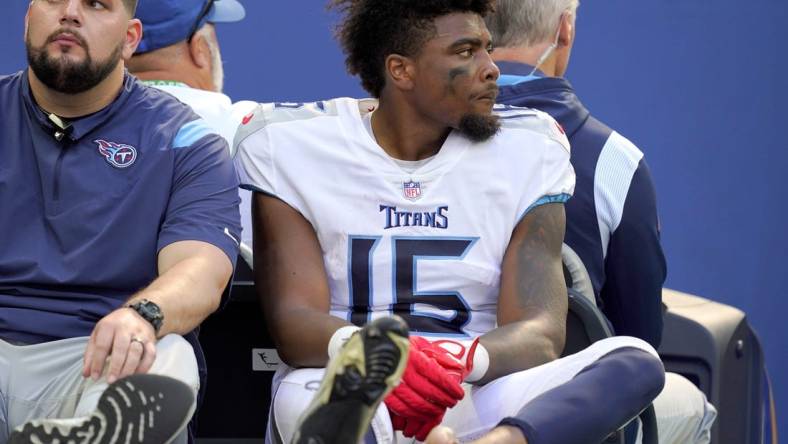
(374, 29)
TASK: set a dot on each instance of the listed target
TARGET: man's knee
(624, 342)
(642, 369)
(622, 378)
(683, 413)
(634, 359)
(175, 358)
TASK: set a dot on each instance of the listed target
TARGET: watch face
(150, 309)
(150, 312)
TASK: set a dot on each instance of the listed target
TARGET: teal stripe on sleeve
(192, 132)
(554, 198)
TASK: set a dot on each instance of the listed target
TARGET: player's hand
(441, 435)
(427, 389)
(452, 356)
(449, 355)
(455, 356)
(128, 340)
(414, 427)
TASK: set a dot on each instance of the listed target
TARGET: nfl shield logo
(412, 190)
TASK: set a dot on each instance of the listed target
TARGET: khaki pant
(45, 380)
(684, 416)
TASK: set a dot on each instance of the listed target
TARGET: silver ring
(140, 341)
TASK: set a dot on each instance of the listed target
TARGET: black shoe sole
(367, 368)
(139, 409)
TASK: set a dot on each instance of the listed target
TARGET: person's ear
(132, 39)
(199, 51)
(566, 31)
(400, 71)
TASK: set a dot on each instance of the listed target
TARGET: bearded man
(120, 231)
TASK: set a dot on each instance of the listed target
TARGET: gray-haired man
(612, 220)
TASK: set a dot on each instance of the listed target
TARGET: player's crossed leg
(631, 364)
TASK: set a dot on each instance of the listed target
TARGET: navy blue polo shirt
(83, 218)
(611, 220)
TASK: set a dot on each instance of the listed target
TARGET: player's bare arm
(532, 305)
(292, 283)
(192, 276)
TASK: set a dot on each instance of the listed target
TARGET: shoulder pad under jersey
(513, 117)
(267, 114)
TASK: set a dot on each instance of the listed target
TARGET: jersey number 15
(407, 252)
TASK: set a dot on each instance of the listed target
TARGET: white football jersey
(426, 245)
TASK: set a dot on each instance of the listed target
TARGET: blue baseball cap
(166, 22)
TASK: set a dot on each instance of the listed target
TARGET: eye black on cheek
(456, 72)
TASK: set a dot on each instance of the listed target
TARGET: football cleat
(149, 409)
(366, 369)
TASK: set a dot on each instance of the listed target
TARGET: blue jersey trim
(250, 187)
(554, 198)
(190, 133)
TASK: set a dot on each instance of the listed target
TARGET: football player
(431, 203)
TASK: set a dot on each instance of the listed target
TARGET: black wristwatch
(150, 312)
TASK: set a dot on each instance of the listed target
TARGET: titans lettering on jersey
(397, 218)
(385, 233)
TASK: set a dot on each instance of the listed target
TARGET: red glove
(457, 359)
(426, 389)
(430, 385)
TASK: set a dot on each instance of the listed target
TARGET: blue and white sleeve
(635, 265)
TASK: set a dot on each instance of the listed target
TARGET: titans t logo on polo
(117, 154)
